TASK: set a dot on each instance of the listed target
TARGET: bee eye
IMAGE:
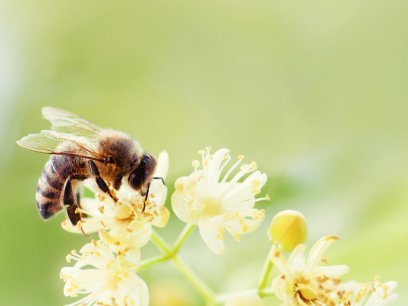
(141, 176)
(136, 179)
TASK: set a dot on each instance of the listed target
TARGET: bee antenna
(159, 178)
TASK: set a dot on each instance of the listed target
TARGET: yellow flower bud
(288, 229)
(166, 293)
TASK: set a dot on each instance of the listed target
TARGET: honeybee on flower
(127, 223)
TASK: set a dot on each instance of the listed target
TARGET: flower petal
(212, 232)
(333, 271)
(180, 208)
(318, 249)
(162, 167)
(297, 259)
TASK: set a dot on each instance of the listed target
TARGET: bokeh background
(314, 91)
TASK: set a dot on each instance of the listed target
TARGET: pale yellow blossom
(219, 201)
(303, 280)
(104, 278)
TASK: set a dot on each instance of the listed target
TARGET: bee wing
(52, 142)
(69, 123)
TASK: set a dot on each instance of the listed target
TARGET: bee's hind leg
(99, 180)
(71, 201)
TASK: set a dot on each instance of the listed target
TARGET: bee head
(122, 150)
(142, 174)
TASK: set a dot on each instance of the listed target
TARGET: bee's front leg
(118, 181)
(99, 180)
(148, 190)
(146, 198)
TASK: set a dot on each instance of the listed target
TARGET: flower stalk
(171, 254)
(195, 280)
(152, 261)
(188, 229)
(266, 271)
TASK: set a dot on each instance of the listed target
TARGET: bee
(80, 150)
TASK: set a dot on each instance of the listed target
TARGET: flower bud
(288, 229)
(170, 293)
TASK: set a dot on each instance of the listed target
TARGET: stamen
(196, 164)
(264, 198)
(244, 169)
(234, 166)
(226, 160)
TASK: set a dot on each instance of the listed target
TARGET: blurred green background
(315, 91)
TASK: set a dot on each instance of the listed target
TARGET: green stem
(188, 229)
(195, 281)
(170, 254)
(160, 244)
(152, 261)
(266, 271)
(267, 292)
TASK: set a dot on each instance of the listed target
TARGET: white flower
(124, 224)
(371, 294)
(302, 280)
(105, 279)
(251, 299)
(382, 294)
(216, 201)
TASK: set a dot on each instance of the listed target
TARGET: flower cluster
(104, 277)
(307, 280)
(219, 197)
(105, 270)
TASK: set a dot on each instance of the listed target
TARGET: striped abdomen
(51, 184)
